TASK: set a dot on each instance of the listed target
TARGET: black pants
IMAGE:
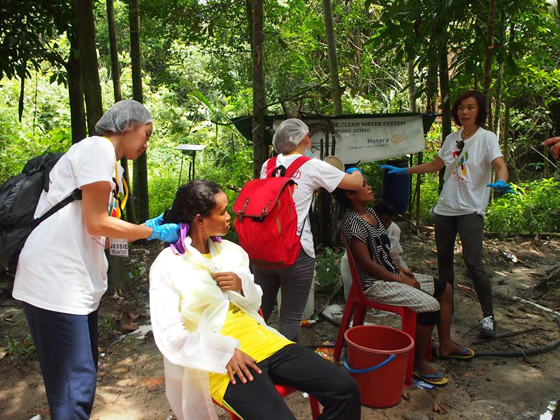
(298, 367)
(470, 228)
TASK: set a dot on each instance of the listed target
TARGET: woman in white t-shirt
(62, 269)
(291, 141)
(465, 194)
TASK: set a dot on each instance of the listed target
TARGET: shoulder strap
(270, 166)
(295, 165)
(449, 171)
(76, 195)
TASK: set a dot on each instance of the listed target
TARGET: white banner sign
(368, 139)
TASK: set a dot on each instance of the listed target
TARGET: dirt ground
(131, 384)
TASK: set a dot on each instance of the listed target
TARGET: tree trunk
(498, 110)
(411, 87)
(336, 91)
(432, 81)
(21, 94)
(412, 105)
(76, 92)
(259, 99)
(249, 11)
(115, 67)
(85, 29)
(141, 164)
(116, 76)
(546, 153)
(505, 136)
(500, 79)
(445, 99)
(444, 91)
(489, 51)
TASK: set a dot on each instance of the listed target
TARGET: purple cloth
(179, 247)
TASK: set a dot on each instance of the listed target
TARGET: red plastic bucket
(377, 358)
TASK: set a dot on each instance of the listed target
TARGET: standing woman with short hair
(62, 269)
(464, 197)
(291, 141)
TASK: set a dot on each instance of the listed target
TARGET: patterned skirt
(399, 294)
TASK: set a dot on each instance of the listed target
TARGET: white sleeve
(264, 169)
(324, 175)
(200, 350)
(394, 233)
(446, 145)
(493, 147)
(94, 161)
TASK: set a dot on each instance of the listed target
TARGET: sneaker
(488, 329)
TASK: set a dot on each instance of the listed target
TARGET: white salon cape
(188, 311)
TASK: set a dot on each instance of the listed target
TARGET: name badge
(118, 247)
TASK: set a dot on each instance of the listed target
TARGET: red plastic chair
(284, 391)
(357, 305)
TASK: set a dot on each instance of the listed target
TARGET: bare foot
(446, 350)
(423, 367)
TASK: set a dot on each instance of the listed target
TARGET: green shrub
(535, 208)
(328, 268)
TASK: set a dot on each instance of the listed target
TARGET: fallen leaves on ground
(127, 324)
(154, 383)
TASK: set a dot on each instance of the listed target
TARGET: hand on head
(354, 169)
(168, 232)
(156, 221)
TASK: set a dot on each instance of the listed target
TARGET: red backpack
(266, 220)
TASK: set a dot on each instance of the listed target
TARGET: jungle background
(199, 64)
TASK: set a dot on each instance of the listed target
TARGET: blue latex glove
(394, 169)
(502, 187)
(354, 169)
(168, 232)
(156, 221)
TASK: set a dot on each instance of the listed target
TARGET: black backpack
(19, 196)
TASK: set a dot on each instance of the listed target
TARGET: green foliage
(198, 68)
(535, 208)
(45, 123)
(19, 348)
(27, 28)
(107, 325)
(528, 128)
(107, 329)
(429, 187)
(327, 266)
(429, 194)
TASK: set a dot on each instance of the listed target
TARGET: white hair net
(123, 116)
(289, 134)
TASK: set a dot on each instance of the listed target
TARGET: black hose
(520, 353)
(329, 320)
(524, 352)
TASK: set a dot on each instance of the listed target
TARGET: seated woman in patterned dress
(383, 282)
